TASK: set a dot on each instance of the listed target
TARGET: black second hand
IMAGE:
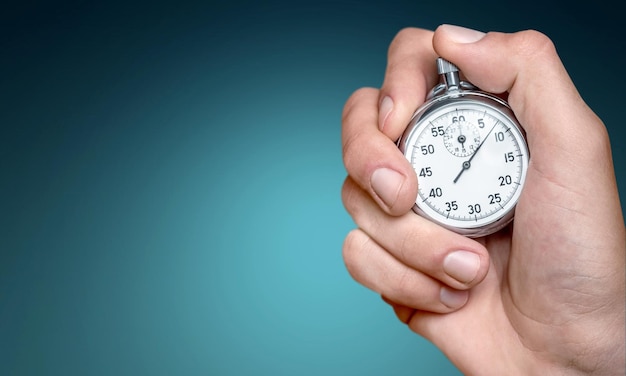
(466, 165)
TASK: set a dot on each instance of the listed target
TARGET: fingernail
(453, 298)
(462, 266)
(460, 34)
(387, 183)
(383, 112)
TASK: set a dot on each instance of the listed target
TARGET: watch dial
(471, 160)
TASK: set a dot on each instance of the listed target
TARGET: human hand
(544, 296)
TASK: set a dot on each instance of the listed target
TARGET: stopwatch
(470, 155)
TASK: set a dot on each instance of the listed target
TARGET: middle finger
(451, 258)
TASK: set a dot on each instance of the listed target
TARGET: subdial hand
(461, 140)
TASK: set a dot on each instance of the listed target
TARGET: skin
(545, 295)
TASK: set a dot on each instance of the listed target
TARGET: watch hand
(461, 139)
(467, 164)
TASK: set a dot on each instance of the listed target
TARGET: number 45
(426, 171)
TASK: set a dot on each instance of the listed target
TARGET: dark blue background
(170, 177)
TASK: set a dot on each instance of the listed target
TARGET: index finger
(370, 155)
(410, 74)
(374, 161)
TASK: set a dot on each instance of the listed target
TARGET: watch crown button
(444, 66)
(450, 74)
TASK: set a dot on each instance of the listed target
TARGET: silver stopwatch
(470, 156)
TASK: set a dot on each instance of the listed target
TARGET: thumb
(571, 166)
(525, 64)
(569, 145)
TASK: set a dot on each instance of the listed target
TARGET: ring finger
(373, 267)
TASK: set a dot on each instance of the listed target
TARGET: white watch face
(471, 161)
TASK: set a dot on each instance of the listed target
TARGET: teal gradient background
(170, 178)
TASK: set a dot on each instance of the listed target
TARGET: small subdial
(461, 138)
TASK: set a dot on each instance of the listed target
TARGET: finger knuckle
(351, 149)
(405, 285)
(357, 150)
(404, 37)
(352, 251)
(407, 244)
(533, 43)
(414, 242)
(409, 288)
(354, 100)
(348, 196)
